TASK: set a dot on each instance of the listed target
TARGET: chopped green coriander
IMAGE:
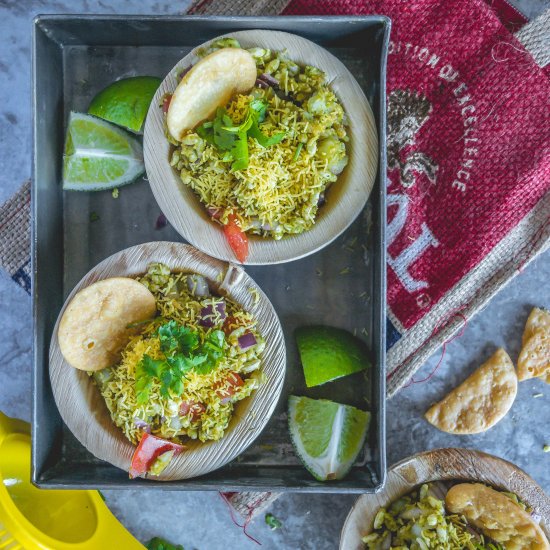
(115, 193)
(94, 216)
(272, 522)
(298, 151)
(182, 352)
(233, 140)
(157, 543)
(546, 448)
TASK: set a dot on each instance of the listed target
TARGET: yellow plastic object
(32, 518)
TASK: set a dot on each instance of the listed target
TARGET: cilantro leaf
(222, 138)
(217, 337)
(146, 370)
(212, 350)
(233, 140)
(239, 152)
(157, 543)
(176, 338)
(182, 351)
(272, 522)
(263, 140)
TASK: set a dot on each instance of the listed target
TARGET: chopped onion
(197, 286)
(268, 79)
(161, 222)
(142, 425)
(185, 71)
(214, 212)
(247, 340)
(269, 227)
(175, 423)
(261, 84)
(207, 316)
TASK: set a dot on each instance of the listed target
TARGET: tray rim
(378, 245)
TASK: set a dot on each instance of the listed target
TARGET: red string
(443, 322)
(246, 521)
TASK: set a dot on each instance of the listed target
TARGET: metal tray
(343, 285)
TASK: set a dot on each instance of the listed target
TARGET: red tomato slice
(237, 239)
(230, 324)
(166, 103)
(149, 449)
(228, 388)
(192, 408)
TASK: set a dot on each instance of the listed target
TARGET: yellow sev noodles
(174, 301)
(280, 190)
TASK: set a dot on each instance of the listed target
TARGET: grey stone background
(200, 519)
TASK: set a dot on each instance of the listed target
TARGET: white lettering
(470, 120)
(433, 61)
(398, 221)
(460, 88)
(459, 185)
(423, 54)
(403, 261)
(448, 73)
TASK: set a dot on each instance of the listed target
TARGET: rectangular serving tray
(343, 285)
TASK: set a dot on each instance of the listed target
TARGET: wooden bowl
(84, 411)
(443, 466)
(346, 197)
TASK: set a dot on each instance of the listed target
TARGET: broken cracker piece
(480, 401)
(534, 357)
(539, 319)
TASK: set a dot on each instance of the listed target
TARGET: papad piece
(539, 319)
(480, 401)
(496, 516)
(209, 85)
(534, 357)
(95, 327)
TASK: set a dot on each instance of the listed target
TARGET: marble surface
(201, 520)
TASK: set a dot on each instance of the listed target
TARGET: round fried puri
(207, 86)
(497, 516)
(95, 325)
(480, 401)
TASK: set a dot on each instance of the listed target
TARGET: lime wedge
(328, 353)
(99, 155)
(327, 436)
(126, 102)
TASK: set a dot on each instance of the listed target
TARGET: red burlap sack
(468, 164)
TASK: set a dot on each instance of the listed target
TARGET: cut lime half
(328, 353)
(126, 101)
(327, 436)
(99, 155)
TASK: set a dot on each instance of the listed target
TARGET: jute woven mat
(411, 344)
